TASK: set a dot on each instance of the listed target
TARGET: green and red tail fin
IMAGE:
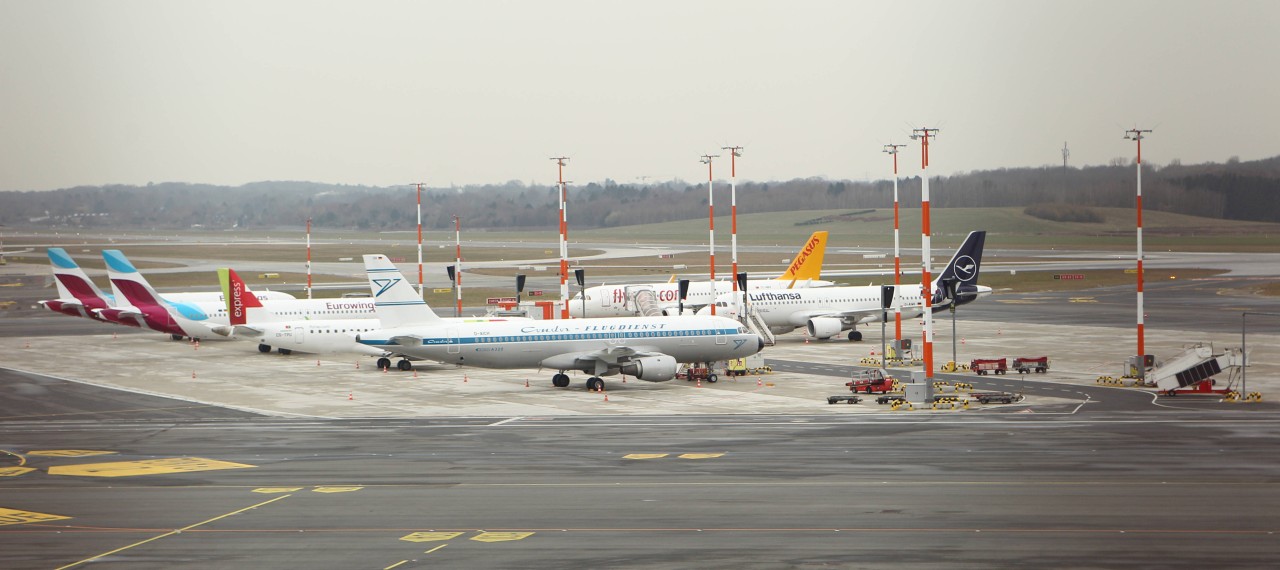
(237, 295)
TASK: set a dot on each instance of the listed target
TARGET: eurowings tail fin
(394, 300)
(237, 295)
(127, 282)
(962, 270)
(73, 283)
(807, 264)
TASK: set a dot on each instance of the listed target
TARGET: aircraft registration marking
(645, 455)
(430, 536)
(69, 453)
(146, 467)
(14, 516)
(335, 489)
(501, 536)
(14, 471)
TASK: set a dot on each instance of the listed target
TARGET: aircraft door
(720, 337)
(299, 334)
(454, 347)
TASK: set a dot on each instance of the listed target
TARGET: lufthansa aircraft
(620, 300)
(648, 348)
(828, 311)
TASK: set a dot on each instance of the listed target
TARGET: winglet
(807, 264)
(237, 295)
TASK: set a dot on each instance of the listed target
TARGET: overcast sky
(445, 93)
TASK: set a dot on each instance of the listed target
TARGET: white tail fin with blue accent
(395, 301)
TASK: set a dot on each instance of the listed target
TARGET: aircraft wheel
(595, 384)
(855, 336)
(175, 337)
(264, 348)
(384, 363)
(560, 380)
(284, 351)
(405, 365)
(712, 378)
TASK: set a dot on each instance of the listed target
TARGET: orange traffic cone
(526, 382)
(873, 352)
(351, 395)
(606, 396)
(961, 340)
(193, 373)
(357, 365)
(27, 345)
(699, 383)
(464, 379)
(385, 369)
(113, 336)
(759, 382)
(415, 372)
(317, 362)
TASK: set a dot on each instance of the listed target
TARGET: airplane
(78, 296)
(647, 348)
(828, 311)
(197, 319)
(320, 336)
(619, 300)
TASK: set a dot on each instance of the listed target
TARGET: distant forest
(1233, 191)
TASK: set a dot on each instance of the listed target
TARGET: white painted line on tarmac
(508, 420)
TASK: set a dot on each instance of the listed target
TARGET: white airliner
(647, 348)
(320, 336)
(78, 296)
(622, 300)
(198, 319)
(828, 311)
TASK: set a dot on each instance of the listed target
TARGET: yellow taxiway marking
(645, 455)
(173, 532)
(13, 516)
(701, 455)
(501, 536)
(69, 453)
(435, 549)
(1082, 300)
(402, 562)
(270, 490)
(21, 460)
(14, 471)
(430, 536)
(146, 467)
(335, 489)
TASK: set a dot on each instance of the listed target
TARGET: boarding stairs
(1196, 364)
(644, 301)
(756, 325)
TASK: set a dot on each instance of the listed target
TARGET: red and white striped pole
(734, 153)
(1137, 135)
(457, 267)
(926, 280)
(711, 214)
(420, 280)
(892, 149)
(564, 241)
(308, 258)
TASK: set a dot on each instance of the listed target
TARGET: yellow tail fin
(808, 263)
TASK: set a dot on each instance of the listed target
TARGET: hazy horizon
(389, 93)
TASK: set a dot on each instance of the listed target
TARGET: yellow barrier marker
(700, 455)
(335, 489)
(645, 455)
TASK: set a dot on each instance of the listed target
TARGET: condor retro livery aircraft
(828, 311)
(648, 348)
(622, 300)
(314, 336)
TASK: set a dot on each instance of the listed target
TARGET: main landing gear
(561, 380)
(855, 336)
(403, 365)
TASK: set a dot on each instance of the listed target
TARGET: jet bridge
(644, 301)
(1194, 365)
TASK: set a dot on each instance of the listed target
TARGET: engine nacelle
(825, 327)
(651, 368)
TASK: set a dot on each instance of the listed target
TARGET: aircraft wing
(853, 317)
(406, 340)
(603, 359)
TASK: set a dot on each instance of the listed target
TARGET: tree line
(1233, 190)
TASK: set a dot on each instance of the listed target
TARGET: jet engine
(825, 327)
(658, 368)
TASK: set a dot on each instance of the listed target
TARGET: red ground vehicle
(870, 382)
(984, 366)
(1038, 364)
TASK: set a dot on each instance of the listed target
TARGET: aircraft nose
(760, 343)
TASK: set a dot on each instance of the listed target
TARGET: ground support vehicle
(698, 371)
(891, 398)
(988, 397)
(984, 366)
(870, 382)
(1038, 364)
(845, 399)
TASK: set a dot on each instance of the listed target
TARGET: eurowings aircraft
(197, 319)
(621, 300)
(828, 311)
(647, 348)
(78, 296)
(319, 336)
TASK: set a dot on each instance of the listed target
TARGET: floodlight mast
(711, 215)
(1136, 134)
(892, 150)
(926, 286)
(457, 267)
(420, 280)
(564, 240)
(734, 153)
(308, 258)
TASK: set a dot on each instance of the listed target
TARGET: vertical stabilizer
(73, 283)
(807, 264)
(395, 301)
(962, 269)
(237, 295)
